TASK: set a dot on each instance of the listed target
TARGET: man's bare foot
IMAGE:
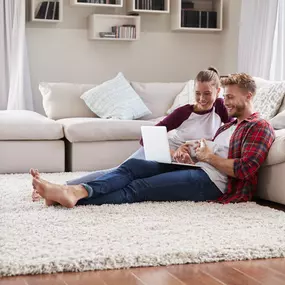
(66, 196)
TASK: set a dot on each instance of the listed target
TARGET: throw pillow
(278, 122)
(115, 99)
(186, 96)
(268, 99)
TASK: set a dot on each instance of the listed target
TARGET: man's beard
(239, 110)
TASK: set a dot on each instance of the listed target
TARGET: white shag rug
(35, 239)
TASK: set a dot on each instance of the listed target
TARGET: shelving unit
(148, 6)
(97, 3)
(46, 11)
(98, 23)
(200, 20)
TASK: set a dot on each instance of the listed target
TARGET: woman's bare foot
(35, 195)
(66, 196)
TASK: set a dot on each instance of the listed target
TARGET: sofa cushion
(158, 96)
(278, 122)
(28, 125)
(97, 129)
(115, 99)
(277, 151)
(186, 96)
(62, 100)
(268, 99)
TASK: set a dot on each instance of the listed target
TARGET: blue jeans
(139, 180)
(139, 154)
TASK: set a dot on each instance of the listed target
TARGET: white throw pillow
(115, 99)
(268, 99)
(278, 122)
(186, 96)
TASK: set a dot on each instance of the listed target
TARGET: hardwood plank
(82, 278)
(156, 276)
(226, 274)
(44, 279)
(191, 274)
(277, 264)
(12, 281)
(119, 277)
(260, 272)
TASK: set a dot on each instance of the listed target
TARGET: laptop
(156, 145)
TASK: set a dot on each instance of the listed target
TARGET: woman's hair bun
(211, 68)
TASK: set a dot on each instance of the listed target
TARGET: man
(227, 174)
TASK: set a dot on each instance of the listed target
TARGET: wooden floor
(269, 271)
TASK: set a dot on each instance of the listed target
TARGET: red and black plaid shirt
(249, 146)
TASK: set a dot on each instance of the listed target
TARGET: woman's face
(206, 94)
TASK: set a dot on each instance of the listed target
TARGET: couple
(229, 178)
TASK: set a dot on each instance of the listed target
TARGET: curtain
(256, 36)
(15, 85)
(277, 68)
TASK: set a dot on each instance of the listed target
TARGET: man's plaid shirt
(249, 146)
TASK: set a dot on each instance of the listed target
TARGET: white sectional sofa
(28, 139)
(92, 143)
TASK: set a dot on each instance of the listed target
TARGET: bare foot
(66, 196)
(35, 195)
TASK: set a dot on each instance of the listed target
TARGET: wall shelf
(197, 19)
(97, 3)
(125, 28)
(148, 6)
(46, 11)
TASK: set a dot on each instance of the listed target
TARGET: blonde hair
(242, 80)
(208, 75)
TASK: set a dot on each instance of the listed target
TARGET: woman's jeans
(139, 180)
(139, 154)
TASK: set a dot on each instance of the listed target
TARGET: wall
(232, 9)
(62, 52)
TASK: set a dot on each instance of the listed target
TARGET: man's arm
(254, 151)
(222, 164)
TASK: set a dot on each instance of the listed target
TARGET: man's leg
(139, 154)
(180, 185)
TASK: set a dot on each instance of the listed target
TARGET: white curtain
(15, 85)
(277, 68)
(258, 33)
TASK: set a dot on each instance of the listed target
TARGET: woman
(189, 122)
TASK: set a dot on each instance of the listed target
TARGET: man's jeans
(139, 180)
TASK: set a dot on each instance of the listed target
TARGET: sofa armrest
(277, 151)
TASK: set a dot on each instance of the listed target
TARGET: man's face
(236, 100)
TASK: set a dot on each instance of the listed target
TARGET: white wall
(62, 52)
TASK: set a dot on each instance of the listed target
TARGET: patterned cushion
(268, 99)
(115, 99)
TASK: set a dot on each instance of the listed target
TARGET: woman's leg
(69, 195)
(175, 185)
(139, 154)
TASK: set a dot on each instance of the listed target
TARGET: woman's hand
(182, 154)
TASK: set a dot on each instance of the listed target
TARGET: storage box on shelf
(197, 15)
(46, 11)
(100, 3)
(113, 27)
(148, 6)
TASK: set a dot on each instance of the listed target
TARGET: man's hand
(203, 152)
(182, 154)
